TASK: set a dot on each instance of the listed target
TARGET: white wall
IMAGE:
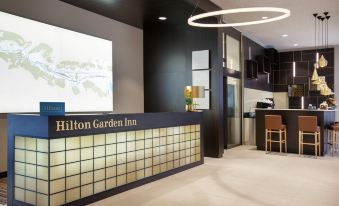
(127, 41)
(336, 77)
(280, 100)
(252, 96)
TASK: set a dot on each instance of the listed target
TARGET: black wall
(260, 83)
(168, 69)
(305, 59)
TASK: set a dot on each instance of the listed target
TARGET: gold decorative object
(322, 62)
(315, 78)
(191, 92)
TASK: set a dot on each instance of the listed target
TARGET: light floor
(244, 177)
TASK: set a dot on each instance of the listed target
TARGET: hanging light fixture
(322, 38)
(315, 77)
(284, 14)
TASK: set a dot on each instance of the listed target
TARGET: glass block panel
(169, 148)
(31, 144)
(111, 172)
(131, 136)
(197, 157)
(163, 158)
(156, 133)
(19, 194)
(156, 170)
(72, 182)
(176, 163)
(187, 129)
(111, 183)
(72, 195)
(121, 148)
(182, 138)
(87, 153)
(111, 149)
(30, 170)
(122, 158)
(42, 200)
(99, 163)
(30, 197)
(148, 153)
(121, 137)
(197, 127)
(188, 160)
(19, 181)
(57, 172)
(131, 177)
(156, 160)
(182, 146)
(163, 132)
(86, 141)
(176, 155)
(130, 167)
(87, 165)
(140, 134)
(170, 139)
(73, 168)
(31, 184)
(130, 156)
(197, 150)
(111, 160)
(42, 145)
(57, 158)
(197, 135)
(163, 141)
(99, 139)
(58, 199)
(170, 131)
(163, 149)
(19, 155)
(20, 142)
(99, 151)
(130, 146)
(170, 165)
(176, 130)
(99, 175)
(140, 164)
(30, 157)
(86, 178)
(99, 187)
(170, 157)
(148, 172)
(86, 190)
(57, 145)
(140, 174)
(73, 156)
(148, 143)
(192, 159)
(121, 169)
(182, 161)
(192, 143)
(192, 128)
(182, 129)
(188, 152)
(193, 136)
(42, 187)
(156, 142)
(140, 145)
(42, 159)
(163, 167)
(57, 185)
(42, 173)
(72, 143)
(140, 154)
(148, 162)
(188, 144)
(111, 138)
(187, 136)
(121, 180)
(176, 147)
(176, 138)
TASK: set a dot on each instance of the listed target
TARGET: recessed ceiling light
(264, 17)
(162, 18)
(284, 35)
(295, 44)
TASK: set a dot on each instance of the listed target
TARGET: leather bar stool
(273, 124)
(309, 125)
(333, 131)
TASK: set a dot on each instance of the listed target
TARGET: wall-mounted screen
(42, 63)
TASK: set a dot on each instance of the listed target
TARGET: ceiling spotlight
(295, 44)
(264, 17)
(284, 35)
(162, 18)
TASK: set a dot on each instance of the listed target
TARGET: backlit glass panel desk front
(84, 158)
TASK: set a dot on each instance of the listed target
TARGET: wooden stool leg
(266, 140)
(316, 144)
(302, 143)
(319, 144)
(285, 142)
(270, 141)
(299, 142)
(280, 140)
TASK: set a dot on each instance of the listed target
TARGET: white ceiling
(299, 26)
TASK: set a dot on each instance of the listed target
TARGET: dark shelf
(264, 64)
(252, 69)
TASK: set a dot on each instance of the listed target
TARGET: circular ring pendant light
(285, 13)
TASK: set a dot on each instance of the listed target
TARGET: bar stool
(273, 124)
(309, 125)
(333, 131)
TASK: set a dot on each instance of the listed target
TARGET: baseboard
(3, 174)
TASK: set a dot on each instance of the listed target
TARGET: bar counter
(290, 119)
(76, 160)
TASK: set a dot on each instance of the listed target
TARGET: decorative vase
(188, 107)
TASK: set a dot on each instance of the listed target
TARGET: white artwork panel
(200, 59)
(203, 103)
(201, 78)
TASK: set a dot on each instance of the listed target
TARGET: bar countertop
(306, 110)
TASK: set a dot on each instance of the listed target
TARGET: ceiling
(299, 26)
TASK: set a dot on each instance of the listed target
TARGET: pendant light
(315, 77)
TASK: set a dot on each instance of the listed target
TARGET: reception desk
(76, 160)
(290, 119)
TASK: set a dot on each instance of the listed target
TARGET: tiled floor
(244, 177)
